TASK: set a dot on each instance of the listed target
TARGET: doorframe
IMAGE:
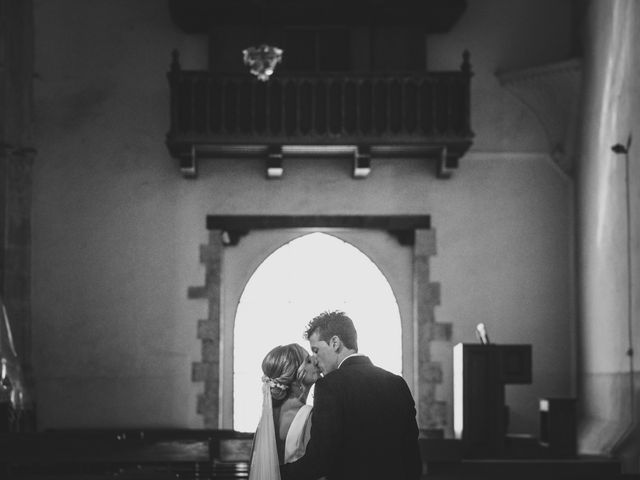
(409, 230)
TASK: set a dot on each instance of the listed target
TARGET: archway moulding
(234, 227)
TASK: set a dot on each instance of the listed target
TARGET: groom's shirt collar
(352, 355)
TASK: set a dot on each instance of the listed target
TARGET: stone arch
(420, 328)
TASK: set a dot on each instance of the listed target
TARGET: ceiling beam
(434, 16)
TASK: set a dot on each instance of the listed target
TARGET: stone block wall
(16, 161)
(15, 222)
(207, 370)
(432, 411)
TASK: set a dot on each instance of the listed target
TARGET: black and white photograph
(319, 240)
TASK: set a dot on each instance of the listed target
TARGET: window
(310, 274)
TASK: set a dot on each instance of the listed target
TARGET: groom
(364, 418)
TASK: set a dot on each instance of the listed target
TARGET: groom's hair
(331, 323)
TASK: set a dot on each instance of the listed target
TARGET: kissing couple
(363, 422)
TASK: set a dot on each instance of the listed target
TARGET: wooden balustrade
(396, 110)
(385, 108)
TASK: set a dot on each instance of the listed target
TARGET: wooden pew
(224, 455)
(125, 454)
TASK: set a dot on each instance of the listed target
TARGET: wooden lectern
(480, 373)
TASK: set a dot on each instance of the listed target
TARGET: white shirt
(352, 355)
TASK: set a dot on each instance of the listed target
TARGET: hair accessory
(274, 383)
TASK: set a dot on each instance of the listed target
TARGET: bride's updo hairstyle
(281, 368)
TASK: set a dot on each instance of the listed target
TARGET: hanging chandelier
(262, 60)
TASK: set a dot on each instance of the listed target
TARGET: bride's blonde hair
(283, 367)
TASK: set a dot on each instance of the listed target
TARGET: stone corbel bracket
(552, 92)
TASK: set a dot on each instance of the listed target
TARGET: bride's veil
(264, 456)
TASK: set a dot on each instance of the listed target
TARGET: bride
(283, 431)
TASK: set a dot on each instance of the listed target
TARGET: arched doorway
(302, 278)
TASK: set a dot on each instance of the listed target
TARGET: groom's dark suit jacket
(363, 427)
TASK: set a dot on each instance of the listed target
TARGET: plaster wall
(609, 307)
(116, 229)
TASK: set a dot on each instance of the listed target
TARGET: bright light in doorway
(305, 277)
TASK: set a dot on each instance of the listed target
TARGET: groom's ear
(335, 343)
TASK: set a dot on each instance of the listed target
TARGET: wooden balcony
(364, 115)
